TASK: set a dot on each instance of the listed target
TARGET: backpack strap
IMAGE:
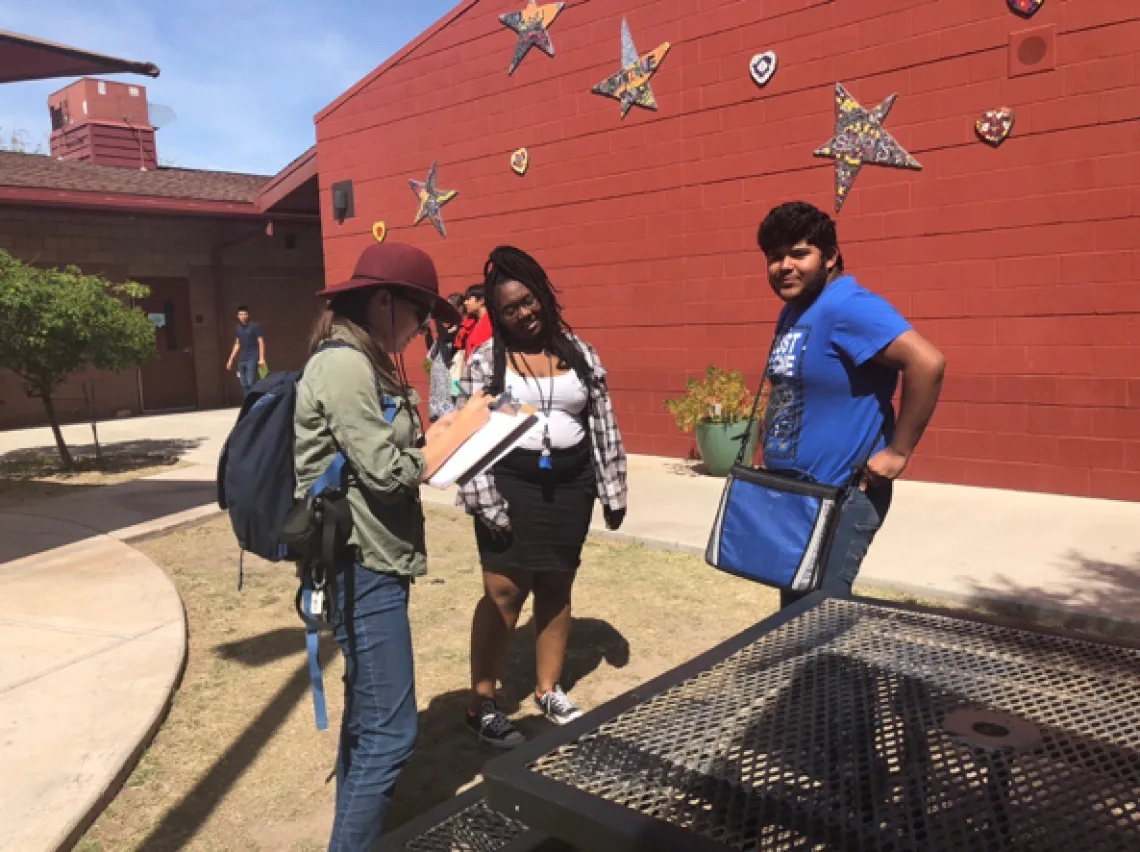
(316, 676)
(332, 478)
(313, 600)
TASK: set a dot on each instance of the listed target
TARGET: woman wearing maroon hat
(353, 398)
(532, 510)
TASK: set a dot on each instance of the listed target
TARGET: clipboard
(510, 423)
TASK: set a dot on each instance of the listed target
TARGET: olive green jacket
(340, 406)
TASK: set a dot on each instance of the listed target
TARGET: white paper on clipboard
(505, 430)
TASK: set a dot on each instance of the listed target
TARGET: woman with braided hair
(532, 510)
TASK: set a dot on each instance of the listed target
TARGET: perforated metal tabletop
(846, 725)
(466, 824)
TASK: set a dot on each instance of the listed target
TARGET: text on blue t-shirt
(830, 404)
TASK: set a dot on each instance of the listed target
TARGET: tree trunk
(64, 453)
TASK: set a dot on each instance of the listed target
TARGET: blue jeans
(378, 730)
(860, 518)
(247, 374)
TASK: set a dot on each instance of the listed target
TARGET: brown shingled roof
(40, 172)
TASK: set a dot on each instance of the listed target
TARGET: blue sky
(244, 77)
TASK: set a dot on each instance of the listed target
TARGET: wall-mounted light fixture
(344, 205)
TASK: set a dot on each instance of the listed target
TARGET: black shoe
(492, 726)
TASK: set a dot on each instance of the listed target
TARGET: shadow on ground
(1102, 598)
(447, 756)
(117, 457)
(80, 508)
(183, 819)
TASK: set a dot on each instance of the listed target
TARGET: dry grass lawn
(238, 764)
(27, 475)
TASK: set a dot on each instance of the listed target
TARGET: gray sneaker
(492, 726)
(557, 707)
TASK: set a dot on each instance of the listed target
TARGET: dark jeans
(247, 374)
(859, 519)
(378, 730)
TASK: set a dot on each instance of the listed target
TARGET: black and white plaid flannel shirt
(482, 499)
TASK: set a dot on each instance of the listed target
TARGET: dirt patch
(238, 764)
(38, 474)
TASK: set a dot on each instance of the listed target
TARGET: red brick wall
(1022, 263)
(278, 285)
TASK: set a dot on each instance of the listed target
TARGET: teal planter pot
(719, 444)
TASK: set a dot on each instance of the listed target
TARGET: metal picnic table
(844, 724)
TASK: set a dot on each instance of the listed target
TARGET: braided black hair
(507, 263)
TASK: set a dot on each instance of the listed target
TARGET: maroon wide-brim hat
(399, 267)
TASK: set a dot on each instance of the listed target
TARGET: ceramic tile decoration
(995, 125)
(763, 67)
(861, 138)
(630, 85)
(1026, 8)
(532, 25)
(431, 200)
(520, 161)
(380, 231)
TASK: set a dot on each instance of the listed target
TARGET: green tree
(56, 322)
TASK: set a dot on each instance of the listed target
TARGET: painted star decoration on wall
(431, 200)
(531, 24)
(860, 138)
(630, 85)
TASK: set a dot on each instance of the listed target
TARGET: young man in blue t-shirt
(833, 370)
(248, 351)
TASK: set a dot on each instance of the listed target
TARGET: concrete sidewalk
(1064, 560)
(1035, 554)
(95, 634)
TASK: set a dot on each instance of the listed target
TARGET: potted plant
(717, 408)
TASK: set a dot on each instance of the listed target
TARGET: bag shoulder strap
(752, 419)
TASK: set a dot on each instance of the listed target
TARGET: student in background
(441, 353)
(353, 399)
(476, 327)
(533, 509)
(248, 351)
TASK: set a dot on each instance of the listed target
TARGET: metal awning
(25, 58)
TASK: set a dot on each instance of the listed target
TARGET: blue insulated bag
(774, 527)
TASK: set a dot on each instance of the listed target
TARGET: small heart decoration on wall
(380, 231)
(520, 161)
(763, 67)
(995, 125)
(1026, 8)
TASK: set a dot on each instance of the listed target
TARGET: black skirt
(550, 511)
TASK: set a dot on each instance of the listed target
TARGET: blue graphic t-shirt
(830, 404)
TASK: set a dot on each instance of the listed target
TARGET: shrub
(720, 397)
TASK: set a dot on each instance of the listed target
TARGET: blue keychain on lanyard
(545, 462)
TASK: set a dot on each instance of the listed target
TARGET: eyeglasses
(421, 310)
(529, 304)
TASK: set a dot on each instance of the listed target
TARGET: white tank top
(567, 398)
